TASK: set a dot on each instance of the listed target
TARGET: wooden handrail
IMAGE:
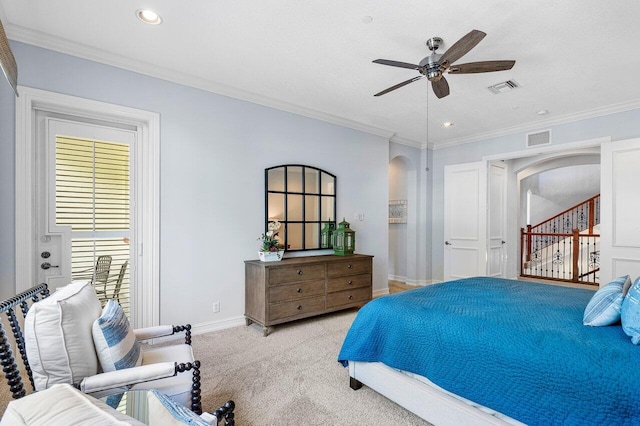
(592, 199)
(526, 253)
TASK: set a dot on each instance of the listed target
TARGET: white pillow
(114, 339)
(62, 405)
(58, 337)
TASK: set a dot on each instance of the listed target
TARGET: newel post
(521, 251)
(592, 214)
(576, 255)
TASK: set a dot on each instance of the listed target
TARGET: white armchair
(60, 346)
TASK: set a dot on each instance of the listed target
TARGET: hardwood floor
(398, 286)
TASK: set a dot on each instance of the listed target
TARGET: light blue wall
(619, 126)
(214, 150)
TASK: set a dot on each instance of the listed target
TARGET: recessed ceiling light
(542, 112)
(149, 17)
(367, 19)
(447, 124)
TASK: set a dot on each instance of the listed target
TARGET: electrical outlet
(216, 307)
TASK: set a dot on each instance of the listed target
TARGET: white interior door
(465, 251)
(619, 207)
(496, 221)
(83, 203)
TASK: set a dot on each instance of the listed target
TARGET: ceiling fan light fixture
(148, 16)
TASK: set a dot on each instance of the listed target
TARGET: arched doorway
(403, 200)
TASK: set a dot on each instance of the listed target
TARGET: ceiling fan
(435, 65)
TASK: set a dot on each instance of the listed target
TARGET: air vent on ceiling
(538, 139)
(503, 87)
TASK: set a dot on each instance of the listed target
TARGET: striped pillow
(631, 313)
(605, 306)
(165, 411)
(115, 342)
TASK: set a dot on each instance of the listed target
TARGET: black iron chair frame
(12, 372)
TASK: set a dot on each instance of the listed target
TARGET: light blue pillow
(115, 342)
(605, 306)
(631, 312)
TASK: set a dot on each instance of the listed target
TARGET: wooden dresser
(301, 287)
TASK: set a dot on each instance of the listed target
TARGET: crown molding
(39, 39)
(563, 119)
(407, 142)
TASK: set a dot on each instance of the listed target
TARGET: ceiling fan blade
(397, 64)
(399, 85)
(484, 66)
(440, 88)
(462, 46)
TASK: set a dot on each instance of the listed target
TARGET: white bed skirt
(423, 398)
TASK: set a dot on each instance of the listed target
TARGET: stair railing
(583, 216)
(570, 257)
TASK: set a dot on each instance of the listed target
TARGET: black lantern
(326, 235)
(344, 239)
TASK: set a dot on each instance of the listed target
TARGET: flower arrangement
(269, 240)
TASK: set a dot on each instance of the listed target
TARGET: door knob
(47, 265)
(447, 243)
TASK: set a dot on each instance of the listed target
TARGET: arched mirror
(303, 199)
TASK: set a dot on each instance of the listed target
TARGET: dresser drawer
(296, 273)
(283, 293)
(296, 307)
(353, 267)
(348, 297)
(346, 283)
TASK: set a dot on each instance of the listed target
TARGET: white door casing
(619, 207)
(465, 251)
(496, 221)
(145, 291)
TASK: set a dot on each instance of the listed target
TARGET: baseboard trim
(207, 327)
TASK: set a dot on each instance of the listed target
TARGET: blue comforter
(517, 347)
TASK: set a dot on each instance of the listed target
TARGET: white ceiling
(574, 58)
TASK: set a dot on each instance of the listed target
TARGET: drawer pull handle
(299, 272)
(299, 307)
(350, 297)
(350, 282)
(299, 290)
(350, 266)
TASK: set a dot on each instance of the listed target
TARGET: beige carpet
(291, 377)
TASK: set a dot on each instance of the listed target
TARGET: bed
(495, 351)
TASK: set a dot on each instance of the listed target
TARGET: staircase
(565, 247)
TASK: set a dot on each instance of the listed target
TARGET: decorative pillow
(605, 306)
(631, 312)
(58, 337)
(115, 341)
(627, 286)
(163, 411)
(62, 405)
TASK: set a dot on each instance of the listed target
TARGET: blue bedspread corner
(517, 347)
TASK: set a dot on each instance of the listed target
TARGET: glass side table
(134, 404)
